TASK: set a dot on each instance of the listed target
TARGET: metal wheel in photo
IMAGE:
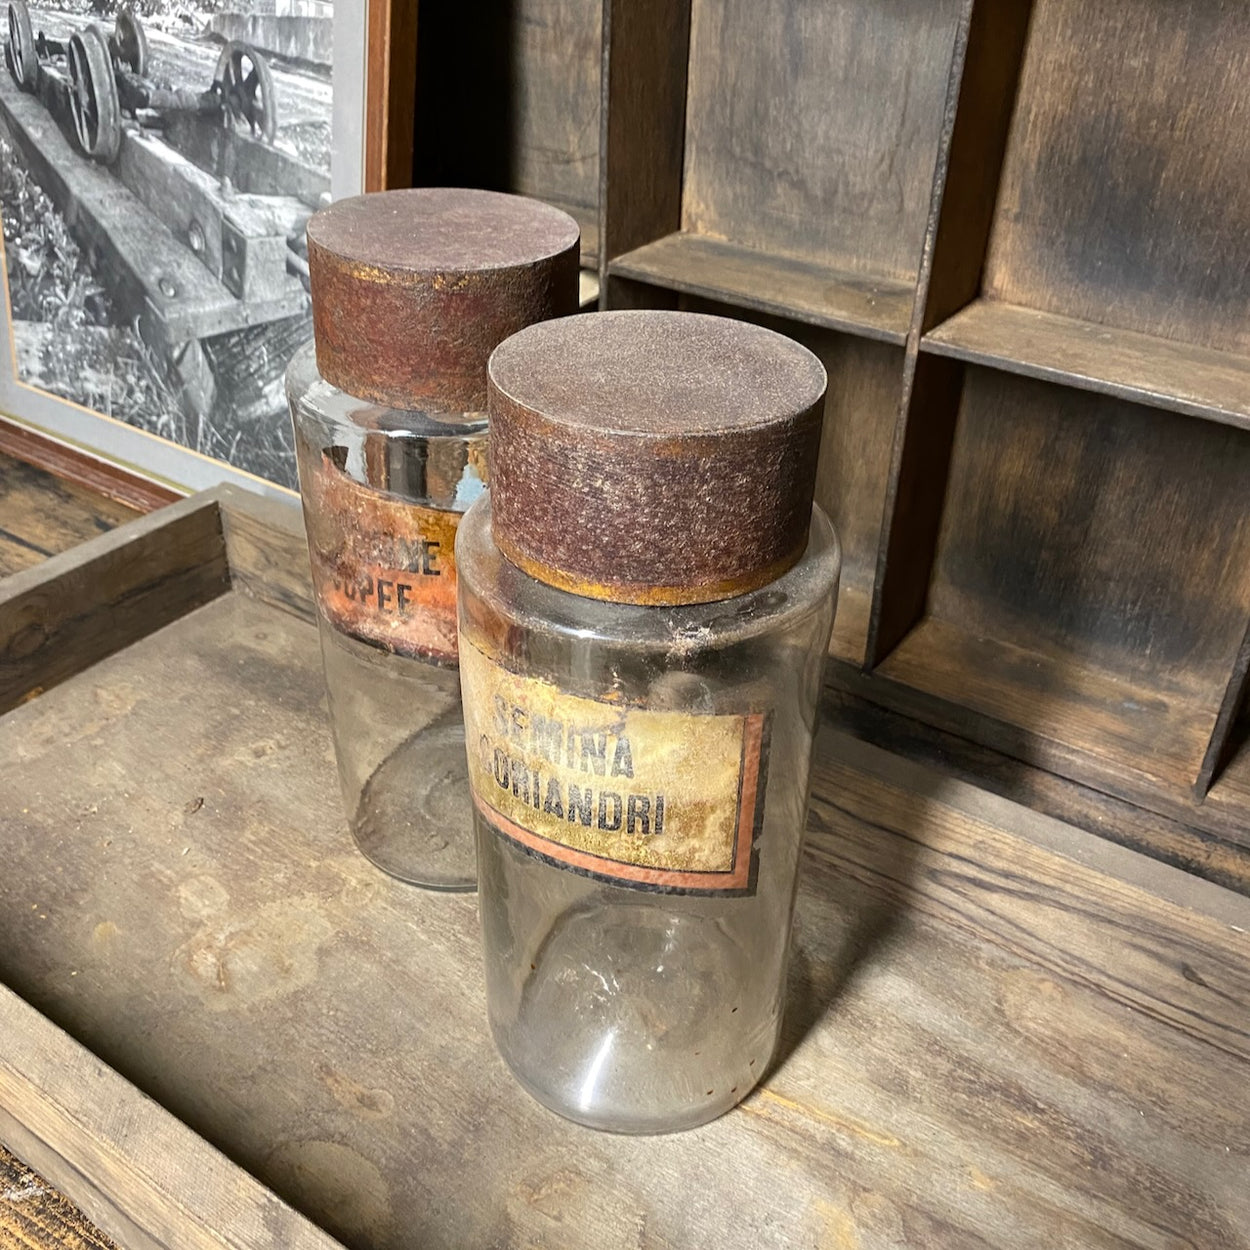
(129, 45)
(93, 96)
(247, 90)
(20, 51)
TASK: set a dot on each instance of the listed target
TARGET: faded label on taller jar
(383, 568)
(660, 800)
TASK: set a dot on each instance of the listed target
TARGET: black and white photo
(158, 162)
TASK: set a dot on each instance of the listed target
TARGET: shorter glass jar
(638, 1007)
(383, 490)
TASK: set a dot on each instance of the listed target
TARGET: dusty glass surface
(383, 490)
(626, 1008)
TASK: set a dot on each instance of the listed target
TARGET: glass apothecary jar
(411, 291)
(641, 659)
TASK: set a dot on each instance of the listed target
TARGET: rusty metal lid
(653, 457)
(412, 289)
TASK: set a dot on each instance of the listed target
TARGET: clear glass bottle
(383, 490)
(640, 769)
(411, 290)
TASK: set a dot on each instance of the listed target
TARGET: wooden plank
(812, 132)
(1122, 200)
(34, 1216)
(81, 468)
(646, 47)
(1162, 373)
(143, 1177)
(75, 608)
(1173, 838)
(1114, 534)
(988, 44)
(1065, 712)
(876, 307)
(253, 166)
(390, 93)
(1000, 1031)
(267, 550)
(41, 515)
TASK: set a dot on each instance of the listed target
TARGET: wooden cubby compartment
(808, 145)
(797, 146)
(1078, 592)
(1117, 259)
(508, 100)
(1083, 394)
(1014, 232)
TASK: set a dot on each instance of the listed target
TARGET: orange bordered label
(660, 800)
(383, 569)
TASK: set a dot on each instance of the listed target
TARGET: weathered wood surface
(138, 1173)
(876, 307)
(41, 515)
(1173, 839)
(1001, 1031)
(34, 1216)
(813, 132)
(75, 468)
(1180, 377)
(60, 617)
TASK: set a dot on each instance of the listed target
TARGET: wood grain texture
(812, 129)
(390, 93)
(62, 616)
(875, 307)
(1000, 1031)
(141, 1176)
(1079, 522)
(89, 472)
(1180, 377)
(645, 54)
(34, 1216)
(1176, 838)
(980, 99)
(1123, 198)
(41, 515)
(1069, 714)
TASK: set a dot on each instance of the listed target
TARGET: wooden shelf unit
(1014, 232)
(508, 99)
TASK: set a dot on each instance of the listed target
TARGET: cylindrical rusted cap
(653, 457)
(412, 289)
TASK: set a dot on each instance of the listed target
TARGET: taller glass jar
(646, 597)
(411, 291)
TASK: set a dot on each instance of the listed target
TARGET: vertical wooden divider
(646, 48)
(985, 70)
(1219, 748)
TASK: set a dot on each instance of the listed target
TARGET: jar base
(656, 1039)
(415, 818)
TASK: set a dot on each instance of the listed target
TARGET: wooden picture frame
(370, 115)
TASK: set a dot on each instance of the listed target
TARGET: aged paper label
(383, 569)
(654, 799)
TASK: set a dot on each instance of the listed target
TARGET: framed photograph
(158, 162)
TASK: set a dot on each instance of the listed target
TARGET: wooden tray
(1001, 1031)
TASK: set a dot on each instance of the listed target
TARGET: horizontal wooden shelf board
(1157, 738)
(998, 1032)
(1161, 373)
(877, 308)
